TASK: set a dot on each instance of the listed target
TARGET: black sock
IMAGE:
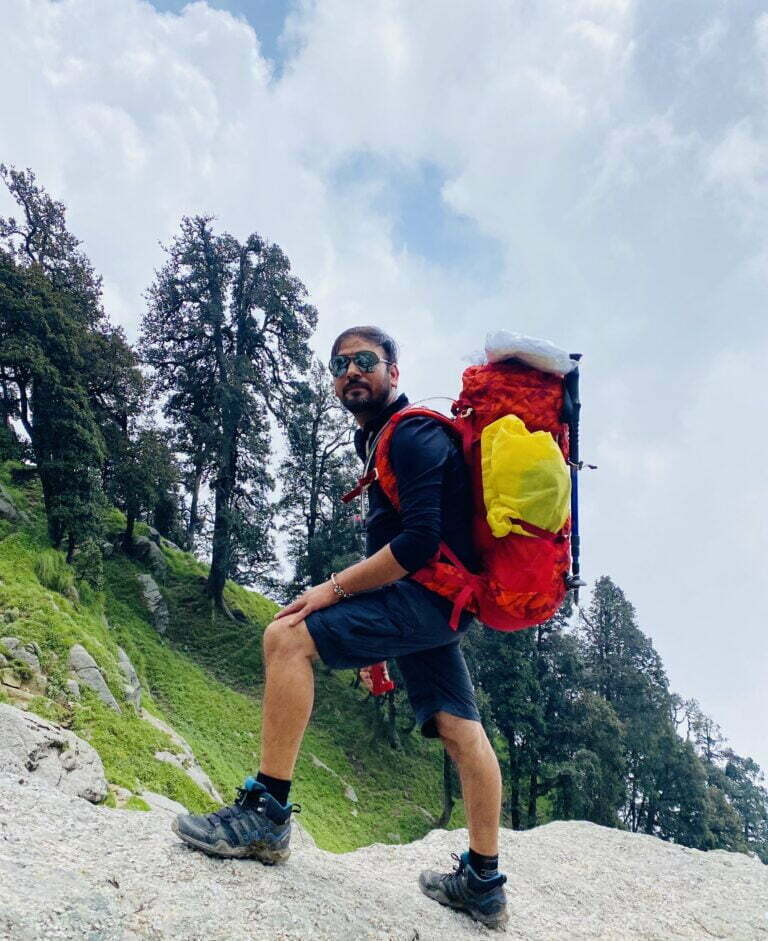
(278, 788)
(485, 866)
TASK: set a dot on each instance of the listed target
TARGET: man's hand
(365, 678)
(313, 599)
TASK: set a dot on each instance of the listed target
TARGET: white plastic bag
(541, 354)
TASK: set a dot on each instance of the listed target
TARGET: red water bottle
(380, 679)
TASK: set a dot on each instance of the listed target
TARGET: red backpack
(522, 577)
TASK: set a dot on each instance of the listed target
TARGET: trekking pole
(573, 408)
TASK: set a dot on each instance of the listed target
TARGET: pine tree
(41, 343)
(232, 317)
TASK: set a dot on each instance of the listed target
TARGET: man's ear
(394, 374)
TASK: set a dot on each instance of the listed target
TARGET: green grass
(53, 572)
(205, 679)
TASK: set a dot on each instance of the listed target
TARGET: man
(371, 612)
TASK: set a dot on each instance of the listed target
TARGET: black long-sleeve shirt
(434, 490)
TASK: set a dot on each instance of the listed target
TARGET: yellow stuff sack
(525, 477)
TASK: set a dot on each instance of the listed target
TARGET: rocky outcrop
(169, 808)
(185, 761)
(132, 686)
(26, 653)
(33, 749)
(9, 511)
(72, 870)
(27, 681)
(155, 603)
(87, 673)
(151, 555)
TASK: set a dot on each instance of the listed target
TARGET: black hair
(374, 334)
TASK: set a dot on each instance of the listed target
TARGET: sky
(594, 172)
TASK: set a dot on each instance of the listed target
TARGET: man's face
(365, 393)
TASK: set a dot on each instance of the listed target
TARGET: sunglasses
(366, 360)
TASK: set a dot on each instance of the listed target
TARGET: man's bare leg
(468, 746)
(288, 696)
(258, 824)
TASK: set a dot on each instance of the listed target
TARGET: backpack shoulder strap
(384, 472)
(378, 466)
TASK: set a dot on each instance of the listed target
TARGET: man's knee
(284, 641)
(459, 735)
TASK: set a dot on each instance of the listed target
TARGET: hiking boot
(256, 826)
(484, 899)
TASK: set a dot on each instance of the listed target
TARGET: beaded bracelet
(338, 589)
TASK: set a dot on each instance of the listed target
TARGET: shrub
(89, 564)
(53, 572)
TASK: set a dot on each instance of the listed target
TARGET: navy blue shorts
(408, 623)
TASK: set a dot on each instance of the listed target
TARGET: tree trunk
(193, 520)
(130, 521)
(633, 805)
(445, 817)
(650, 820)
(220, 550)
(533, 790)
(70, 548)
(224, 486)
(514, 785)
(392, 736)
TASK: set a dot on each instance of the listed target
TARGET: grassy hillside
(204, 678)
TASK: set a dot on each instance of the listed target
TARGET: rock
(9, 678)
(50, 754)
(73, 688)
(132, 685)
(186, 761)
(151, 555)
(349, 791)
(8, 509)
(38, 684)
(87, 671)
(72, 870)
(167, 544)
(9, 616)
(154, 602)
(165, 805)
(3, 661)
(154, 535)
(27, 653)
(107, 549)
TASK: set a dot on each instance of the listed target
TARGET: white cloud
(608, 213)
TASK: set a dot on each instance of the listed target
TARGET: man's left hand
(313, 599)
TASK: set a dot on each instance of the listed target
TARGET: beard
(364, 399)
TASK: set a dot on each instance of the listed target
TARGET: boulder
(132, 685)
(9, 678)
(86, 671)
(186, 761)
(154, 602)
(164, 804)
(27, 653)
(154, 535)
(150, 554)
(73, 688)
(8, 509)
(167, 544)
(50, 754)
